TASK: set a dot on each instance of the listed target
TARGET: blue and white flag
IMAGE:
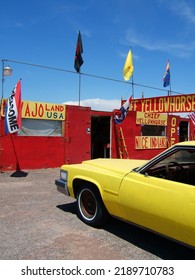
(167, 76)
(122, 113)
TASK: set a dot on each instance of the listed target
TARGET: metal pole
(2, 89)
(132, 87)
(79, 88)
(1, 104)
(170, 85)
(2, 92)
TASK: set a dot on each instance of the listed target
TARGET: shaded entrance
(100, 137)
(183, 131)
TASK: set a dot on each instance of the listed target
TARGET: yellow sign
(41, 110)
(164, 104)
(151, 119)
(150, 142)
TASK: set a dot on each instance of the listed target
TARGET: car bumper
(62, 186)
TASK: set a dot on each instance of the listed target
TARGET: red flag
(78, 61)
(13, 112)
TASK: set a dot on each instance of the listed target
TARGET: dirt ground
(37, 222)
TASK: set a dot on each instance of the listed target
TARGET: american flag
(122, 113)
(192, 117)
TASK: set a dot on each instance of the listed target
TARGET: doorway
(100, 137)
(183, 131)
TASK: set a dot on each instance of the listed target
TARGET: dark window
(153, 130)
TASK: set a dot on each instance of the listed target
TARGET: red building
(53, 134)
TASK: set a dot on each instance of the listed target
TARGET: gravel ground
(37, 222)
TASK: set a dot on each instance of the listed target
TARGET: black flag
(78, 60)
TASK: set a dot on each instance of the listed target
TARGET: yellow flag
(128, 67)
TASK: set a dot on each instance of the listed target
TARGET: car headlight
(64, 175)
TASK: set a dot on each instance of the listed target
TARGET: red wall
(24, 152)
(29, 152)
(34, 152)
(130, 130)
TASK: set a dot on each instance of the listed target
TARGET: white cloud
(98, 104)
(183, 9)
(177, 49)
(180, 8)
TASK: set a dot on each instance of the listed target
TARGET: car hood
(115, 165)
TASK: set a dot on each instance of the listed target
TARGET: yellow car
(158, 195)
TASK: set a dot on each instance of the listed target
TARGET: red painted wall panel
(130, 130)
(24, 152)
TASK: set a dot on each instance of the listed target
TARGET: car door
(161, 205)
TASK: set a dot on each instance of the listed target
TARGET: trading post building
(53, 134)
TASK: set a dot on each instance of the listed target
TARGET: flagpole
(79, 87)
(1, 110)
(169, 91)
(132, 87)
(170, 78)
(2, 90)
(78, 61)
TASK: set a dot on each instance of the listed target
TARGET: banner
(13, 118)
(150, 142)
(41, 110)
(151, 119)
(164, 104)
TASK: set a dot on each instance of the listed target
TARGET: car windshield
(177, 165)
(180, 156)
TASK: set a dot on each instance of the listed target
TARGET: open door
(77, 134)
(183, 131)
(100, 136)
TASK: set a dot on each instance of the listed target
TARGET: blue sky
(45, 32)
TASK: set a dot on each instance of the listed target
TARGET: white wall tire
(91, 209)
